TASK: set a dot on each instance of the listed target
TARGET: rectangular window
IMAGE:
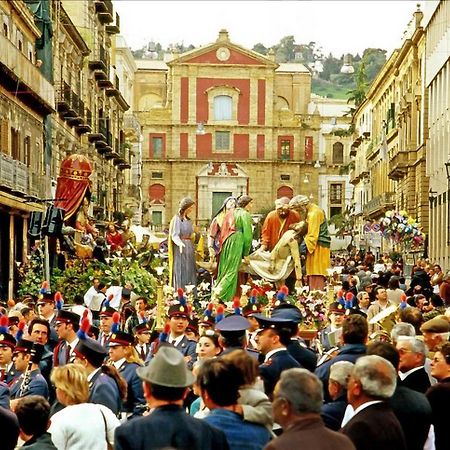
(157, 175)
(336, 193)
(157, 145)
(156, 217)
(285, 150)
(15, 144)
(223, 107)
(285, 177)
(222, 140)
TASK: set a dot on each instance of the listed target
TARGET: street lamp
(447, 169)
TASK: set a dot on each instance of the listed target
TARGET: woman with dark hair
(235, 246)
(182, 270)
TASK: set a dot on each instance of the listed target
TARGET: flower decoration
(313, 309)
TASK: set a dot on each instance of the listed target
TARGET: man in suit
(412, 408)
(273, 338)
(296, 407)
(104, 381)
(354, 337)
(179, 320)
(166, 382)
(8, 370)
(333, 412)
(106, 322)
(67, 325)
(412, 372)
(373, 425)
(142, 334)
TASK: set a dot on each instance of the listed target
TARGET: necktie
(2, 374)
(142, 352)
(67, 354)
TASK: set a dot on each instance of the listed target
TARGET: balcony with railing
(23, 79)
(86, 125)
(20, 179)
(114, 28)
(398, 164)
(104, 10)
(379, 204)
(99, 63)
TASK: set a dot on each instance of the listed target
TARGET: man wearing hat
(179, 321)
(317, 240)
(273, 338)
(296, 347)
(106, 322)
(8, 370)
(329, 336)
(105, 383)
(249, 311)
(233, 334)
(276, 223)
(126, 309)
(27, 355)
(46, 310)
(435, 332)
(166, 381)
(67, 325)
(124, 358)
(142, 334)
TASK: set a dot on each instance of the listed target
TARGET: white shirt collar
(118, 364)
(350, 412)
(175, 341)
(92, 374)
(403, 375)
(272, 352)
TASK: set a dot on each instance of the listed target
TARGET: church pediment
(223, 52)
(222, 170)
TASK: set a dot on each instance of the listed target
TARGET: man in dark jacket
(373, 425)
(33, 416)
(166, 381)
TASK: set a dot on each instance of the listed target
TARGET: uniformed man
(103, 384)
(233, 334)
(8, 370)
(26, 356)
(67, 325)
(296, 347)
(106, 322)
(192, 332)
(329, 336)
(272, 339)
(46, 310)
(142, 334)
(125, 359)
(249, 311)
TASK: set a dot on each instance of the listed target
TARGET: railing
(25, 70)
(385, 200)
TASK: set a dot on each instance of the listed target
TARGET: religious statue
(128, 239)
(114, 238)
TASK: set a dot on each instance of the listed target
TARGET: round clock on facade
(222, 54)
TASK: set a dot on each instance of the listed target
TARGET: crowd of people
(235, 375)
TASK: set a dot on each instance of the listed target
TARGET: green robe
(236, 246)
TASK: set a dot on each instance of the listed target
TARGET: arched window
(157, 193)
(285, 191)
(223, 107)
(338, 153)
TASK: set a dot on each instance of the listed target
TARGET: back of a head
(33, 412)
(413, 316)
(245, 363)
(385, 350)
(354, 329)
(402, 329)
(377, 376)
(302, 389)
(340, 372)
(221, 380)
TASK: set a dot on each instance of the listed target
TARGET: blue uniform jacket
(37, 386)
(135, 403)
(271, 369)
(104, 391)
(4, 395)
(168, 426)
(11, 374)
(186, 347)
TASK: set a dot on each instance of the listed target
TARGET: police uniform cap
(193, 326)
(179, 310)
(26, 346)
(120, 338)
(436, 325)
(250, 309)
(107, 311)
(142, 328)
(45, 298)
(233, 323)
(275, 323)
(91, 350)
(64, 316)
(167, 368)
(336, 308)
(7, 340)
(287, 311)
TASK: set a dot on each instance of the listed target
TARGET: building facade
(223, 120)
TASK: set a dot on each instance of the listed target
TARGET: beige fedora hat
(167, 368)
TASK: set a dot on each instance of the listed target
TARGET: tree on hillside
(284, 50)
(260, 48)
(358, 94)
(374, 59)
(331, 65)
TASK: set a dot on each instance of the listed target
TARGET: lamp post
(159, 299)
(447, 170)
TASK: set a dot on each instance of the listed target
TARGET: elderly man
(296, 407)
(277, 223)
(435, 332)
(412, 372)
(373, 425)
(317, 240)
(333, 412)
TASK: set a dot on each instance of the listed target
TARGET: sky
(337, 26)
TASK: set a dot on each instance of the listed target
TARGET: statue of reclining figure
(277, 265)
